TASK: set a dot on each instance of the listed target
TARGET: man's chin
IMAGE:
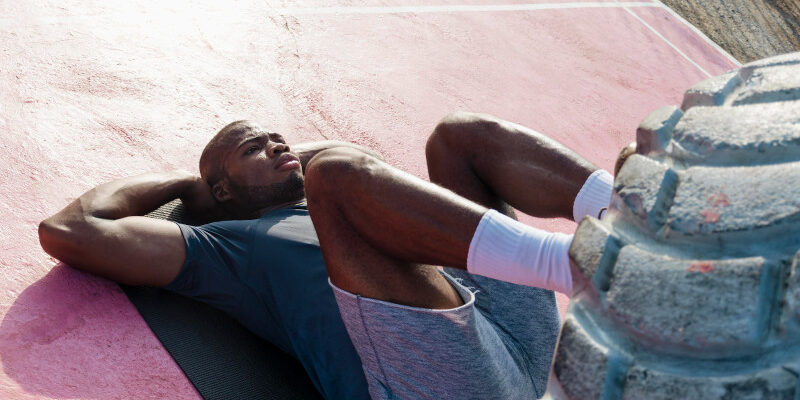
(297, 172)
(295, 178)
(292, 188)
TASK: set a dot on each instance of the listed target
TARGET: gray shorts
(497, 345)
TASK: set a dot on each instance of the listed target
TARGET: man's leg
(501, 165)
(372, 219)
(369, 218)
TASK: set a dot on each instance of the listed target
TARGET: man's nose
(276, 149)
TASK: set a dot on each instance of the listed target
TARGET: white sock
(595, 194)
(506, 249)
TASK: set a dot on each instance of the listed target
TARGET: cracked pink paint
(719, 200)
(98, 90)
(701, 266)
(710, 216)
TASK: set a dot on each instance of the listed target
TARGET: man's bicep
(135, 251)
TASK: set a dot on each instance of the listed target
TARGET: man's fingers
(626, 152)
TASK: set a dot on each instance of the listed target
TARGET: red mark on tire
(710, 215)
(716, 202)
(701, 266)
(719, 200)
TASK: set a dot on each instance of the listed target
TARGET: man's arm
(102, 231)
(306, 151)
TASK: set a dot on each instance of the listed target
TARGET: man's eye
(251, 150)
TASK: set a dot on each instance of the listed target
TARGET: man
(418, 332)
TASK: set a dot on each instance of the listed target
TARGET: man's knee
(457, 132)
(336, 172)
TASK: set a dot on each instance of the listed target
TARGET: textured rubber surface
(692, 280)
(221, 358)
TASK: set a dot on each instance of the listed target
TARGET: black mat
(221, 358)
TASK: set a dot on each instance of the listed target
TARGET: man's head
(250, 169)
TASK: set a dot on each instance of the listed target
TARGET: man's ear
(220, 191)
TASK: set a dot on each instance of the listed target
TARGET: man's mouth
(286, 162)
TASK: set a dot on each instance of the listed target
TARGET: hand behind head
(200, 202)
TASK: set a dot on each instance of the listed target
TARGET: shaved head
(212, 168)
(241, 166)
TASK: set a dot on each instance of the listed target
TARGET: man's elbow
(58, 239)
(49, 233)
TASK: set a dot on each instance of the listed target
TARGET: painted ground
(105, 89)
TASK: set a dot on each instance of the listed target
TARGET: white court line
(667, 42)
(452, 8)
(700, 33)
(345, 10)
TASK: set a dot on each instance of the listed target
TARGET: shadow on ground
(54, 342)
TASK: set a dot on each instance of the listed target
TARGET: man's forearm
(136, 195)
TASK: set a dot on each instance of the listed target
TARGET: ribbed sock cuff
(551, 265)
(506, 249)
(594, 195)
(498, 236)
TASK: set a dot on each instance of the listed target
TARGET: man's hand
(200, 202)
(623, 156)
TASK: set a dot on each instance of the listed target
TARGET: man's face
(261, 171)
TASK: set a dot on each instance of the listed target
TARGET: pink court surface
(105, 89)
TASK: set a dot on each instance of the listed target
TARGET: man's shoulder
(218, 233)
(298, 212)
(227, 225)
(291, 224)
(299, 208)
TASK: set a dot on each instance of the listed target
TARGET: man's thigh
(354, 265)
(376, 225)
(412, 352)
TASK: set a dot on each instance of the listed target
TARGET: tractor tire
(689, 287)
